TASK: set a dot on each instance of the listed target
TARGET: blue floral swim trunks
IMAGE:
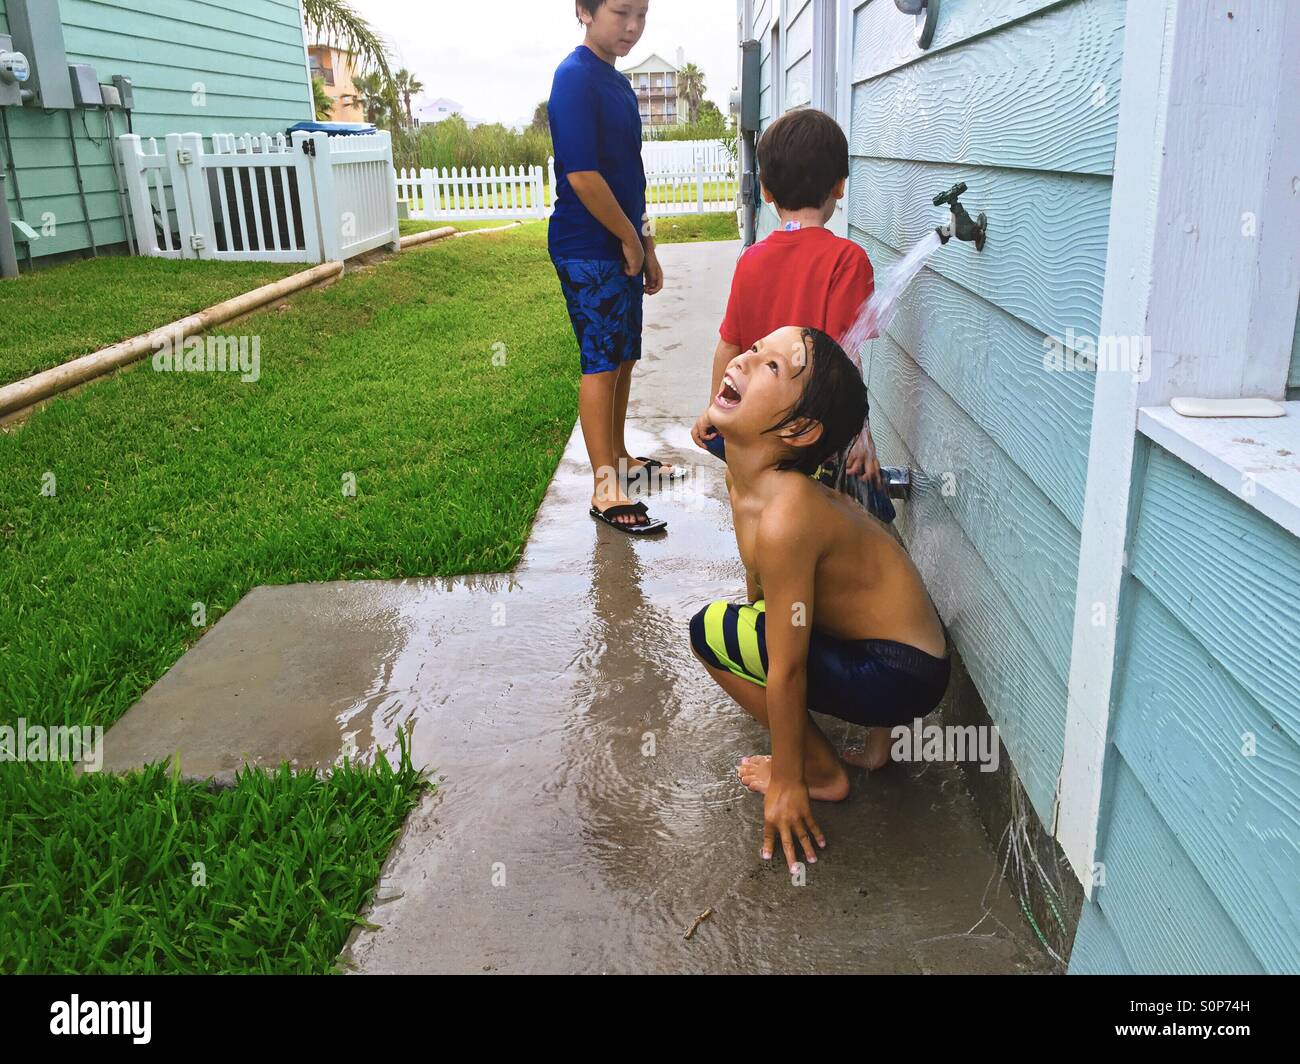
(605, 309)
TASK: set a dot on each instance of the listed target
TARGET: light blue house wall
(1199, 841)
(197, 66)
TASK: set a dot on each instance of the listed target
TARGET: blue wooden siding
(1097, 950)
(1199, 836)
(1020, 100)
(197, 66)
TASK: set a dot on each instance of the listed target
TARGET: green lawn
(669, 228)
(688, 192)
(58, 313)
(173, 489)
(410, 225)
(143, 873)
(685, 228)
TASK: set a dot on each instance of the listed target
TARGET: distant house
(335, 68)
(655, 82)
(439, 110)
(194, 67)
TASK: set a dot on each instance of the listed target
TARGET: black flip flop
(653, 524)
(650, 470)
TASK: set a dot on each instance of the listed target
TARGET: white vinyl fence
(484, 192)
(698, 185)
(678, 154)
(261, 198)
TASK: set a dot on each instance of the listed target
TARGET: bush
(453, 143)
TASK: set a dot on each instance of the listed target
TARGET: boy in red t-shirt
(802, 273)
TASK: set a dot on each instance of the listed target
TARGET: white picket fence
(483, 193)
(697, 186)
(317, 198)
(677, 154)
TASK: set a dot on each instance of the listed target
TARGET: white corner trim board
(1131, 280)
(1256, 459)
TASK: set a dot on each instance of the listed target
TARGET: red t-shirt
(808, 277)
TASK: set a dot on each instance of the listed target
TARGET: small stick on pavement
(698, 920)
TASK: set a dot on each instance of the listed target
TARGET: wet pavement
(587, 810)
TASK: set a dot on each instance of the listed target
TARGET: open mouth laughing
(729, 395)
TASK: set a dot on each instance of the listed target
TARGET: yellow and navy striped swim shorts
(873, 682)
(732, 636)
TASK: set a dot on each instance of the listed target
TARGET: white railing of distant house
(315, 198)
(699, 186)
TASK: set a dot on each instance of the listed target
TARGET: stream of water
(878, 311)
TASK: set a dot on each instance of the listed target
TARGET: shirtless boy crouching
(838, 619)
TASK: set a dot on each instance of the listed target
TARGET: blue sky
(496, 57)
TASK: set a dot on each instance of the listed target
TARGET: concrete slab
(588, 809)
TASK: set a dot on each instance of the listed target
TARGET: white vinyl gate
(263, 198)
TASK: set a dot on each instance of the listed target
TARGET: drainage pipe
(25, 393)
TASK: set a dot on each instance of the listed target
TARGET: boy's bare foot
(756, 773)
(873, 754)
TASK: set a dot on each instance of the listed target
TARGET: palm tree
(337, 24)
(374, 95)
(324, 105)
(690, 87)
(407, 85)
(542, 117)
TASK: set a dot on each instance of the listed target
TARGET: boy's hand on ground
(654, 274)
(703, 430)
(633, 257)
(787, 815)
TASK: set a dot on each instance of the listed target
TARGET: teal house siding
(1020, 100)
(196, 66)
(1198, 846)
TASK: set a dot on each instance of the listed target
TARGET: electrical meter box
(37, 31)
(14, 72)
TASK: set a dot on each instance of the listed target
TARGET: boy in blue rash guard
(838, 620)
(599, 243)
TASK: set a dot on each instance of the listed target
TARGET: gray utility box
(85, 85)
(11, 89)
(750, 86)
(37, 31)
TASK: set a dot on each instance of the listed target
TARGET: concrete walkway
(588, 809)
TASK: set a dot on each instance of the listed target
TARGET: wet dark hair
(833, 395)
(802, 156)
(589, 6)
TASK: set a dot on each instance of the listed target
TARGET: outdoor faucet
(959, 223)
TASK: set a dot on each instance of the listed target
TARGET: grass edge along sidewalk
(440, 384)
